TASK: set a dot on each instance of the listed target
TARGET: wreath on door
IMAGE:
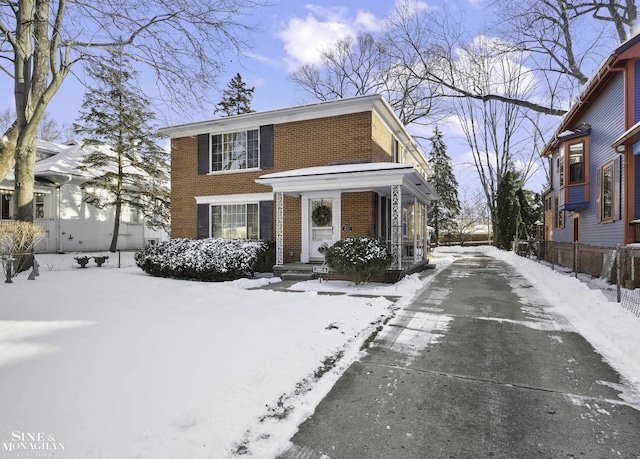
(321, 215)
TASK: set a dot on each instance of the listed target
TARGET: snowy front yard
(111, 363)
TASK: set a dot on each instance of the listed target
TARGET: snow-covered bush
(361, 257)
(203, 259)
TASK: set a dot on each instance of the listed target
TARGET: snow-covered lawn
(111, 363)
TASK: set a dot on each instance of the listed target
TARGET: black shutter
(266, 220)
(203, 221)
(266, 147)
(203, 154)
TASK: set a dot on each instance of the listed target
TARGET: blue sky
(289, 33)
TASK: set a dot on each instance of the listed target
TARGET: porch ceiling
(378, 177)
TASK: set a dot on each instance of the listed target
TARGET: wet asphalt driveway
(475, 367)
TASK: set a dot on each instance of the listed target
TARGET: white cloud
(368, 21)
(303, 38)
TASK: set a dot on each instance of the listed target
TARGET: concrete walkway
(475, 367)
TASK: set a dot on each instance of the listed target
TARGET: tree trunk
(24, 177)
(8, 151)
(116, 227)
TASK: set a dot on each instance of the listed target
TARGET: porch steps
(297, 275)
(295, 271)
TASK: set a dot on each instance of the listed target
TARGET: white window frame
(226, 151)
(234, 199)
(226, 210)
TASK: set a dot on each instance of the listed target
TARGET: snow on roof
(69, 157)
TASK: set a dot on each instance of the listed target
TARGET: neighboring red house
(303, 176)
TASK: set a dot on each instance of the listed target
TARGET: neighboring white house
(72, 225)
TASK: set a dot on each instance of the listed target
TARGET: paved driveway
(476, 367)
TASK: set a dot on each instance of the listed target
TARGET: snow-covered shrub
(361, 257)
(203, 259)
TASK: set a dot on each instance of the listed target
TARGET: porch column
(396, 227)
(279, 228)
(415, 229)
(425, 233)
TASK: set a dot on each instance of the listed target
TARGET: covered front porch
(384, 200)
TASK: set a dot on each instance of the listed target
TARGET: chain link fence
(613, 270)
(48, 262)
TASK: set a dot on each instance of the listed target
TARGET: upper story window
(560, 166)
(235, 151)
(576, 163)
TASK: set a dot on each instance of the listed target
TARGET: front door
(321, 226)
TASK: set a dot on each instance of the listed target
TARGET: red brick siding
(296, 145)
(357, 216)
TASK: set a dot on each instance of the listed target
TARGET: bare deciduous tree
(492, 127)
(353, 67)
(182, 42)
(566, 39)
(473, 217)
(49, 129)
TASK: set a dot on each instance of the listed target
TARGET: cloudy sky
(288, 34)
(292, 32)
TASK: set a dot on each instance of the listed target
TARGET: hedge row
(204, 259)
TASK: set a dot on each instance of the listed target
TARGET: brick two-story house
(303, 176)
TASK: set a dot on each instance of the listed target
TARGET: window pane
(234, 219)
(5, 200)
(39, 210)
(607, 193)
(252, 148)
(235, 151)
(253, 221)
(216, 221)
(576, 162)
(216, 152)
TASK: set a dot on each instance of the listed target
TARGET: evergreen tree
(531, 210)
(442, 214)
(508, 210)
(131, 168)
(517, 211)
(236, 99)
